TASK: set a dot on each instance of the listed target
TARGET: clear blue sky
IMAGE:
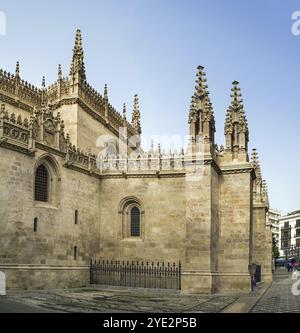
(153, 48)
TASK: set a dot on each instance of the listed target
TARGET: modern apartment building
(289, 231)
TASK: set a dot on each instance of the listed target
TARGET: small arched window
(76, 216)
(35, 224)
(41, 184)
(135, 223)
(132, 219)
(75, 252)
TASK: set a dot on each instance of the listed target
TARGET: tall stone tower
(202, 199)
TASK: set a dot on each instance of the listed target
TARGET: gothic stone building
(59, 208)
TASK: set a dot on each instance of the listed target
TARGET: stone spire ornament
(77, 65)
(201, 116)
(43, 83)
(105, 98)
(105, 94)
(236, 126)
(17, 78)
(136, 116)
(59, 72)
(255, 163)
(124, 121)
(201, 86)
(17, 71)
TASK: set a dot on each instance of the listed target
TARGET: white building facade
(289, 235)
(273, 224)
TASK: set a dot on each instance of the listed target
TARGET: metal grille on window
(41, 184)
(135, 222)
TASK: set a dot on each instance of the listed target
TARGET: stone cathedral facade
(62, 205)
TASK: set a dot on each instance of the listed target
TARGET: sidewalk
(246, 302)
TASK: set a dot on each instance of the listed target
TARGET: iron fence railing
(136, 274)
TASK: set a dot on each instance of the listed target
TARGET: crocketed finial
(59, 72)
(255, 163)
(136, 116)
(17, 72)
(105, 95)
(201, 86)
(236, 95)
(43, 82)
(77, 65)
(124, 115)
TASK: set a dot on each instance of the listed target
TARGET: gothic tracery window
(46, 182)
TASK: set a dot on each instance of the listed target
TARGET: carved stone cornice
(79, 168)
(143, 175)
(214, 164)
(15, 102)
(236, 169)
(15, 146)
(96, 115)
(50, 149)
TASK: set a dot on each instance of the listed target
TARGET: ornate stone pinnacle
(77, 65)
(193, 111)
(200, 88)
(236, 94)
(265, 187)
(78, 40)
(254, 156)
(124, 114)
(17, 69)
(136, 116)
(236, 126)
(255, 162)
(43, 82)
(105, 95)
(59, 72)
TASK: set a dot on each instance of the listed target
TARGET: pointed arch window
(41, 184)
(135, 222)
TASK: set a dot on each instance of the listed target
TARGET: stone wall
(234, 232)
(262, 243)
(163, 201)
(52, 246)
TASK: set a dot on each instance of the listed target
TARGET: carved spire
(17, 72)
(77, 65)
(136, 116)
(105, 97)
(105, 94)
(201, 86)
(255, 163)
(201, 116)
(236, 126)
(17, 78)
(265, 192)
(43, 91)
(124, 121)
(43, 83)
(59, 72)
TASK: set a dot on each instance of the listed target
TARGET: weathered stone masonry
(213, 222)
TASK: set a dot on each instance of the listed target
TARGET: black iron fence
(136, 274)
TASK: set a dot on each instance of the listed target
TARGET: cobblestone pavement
(94, 300)
(279, 297)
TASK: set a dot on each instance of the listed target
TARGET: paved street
(279, 297)
(109, 300)
(10, 306)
